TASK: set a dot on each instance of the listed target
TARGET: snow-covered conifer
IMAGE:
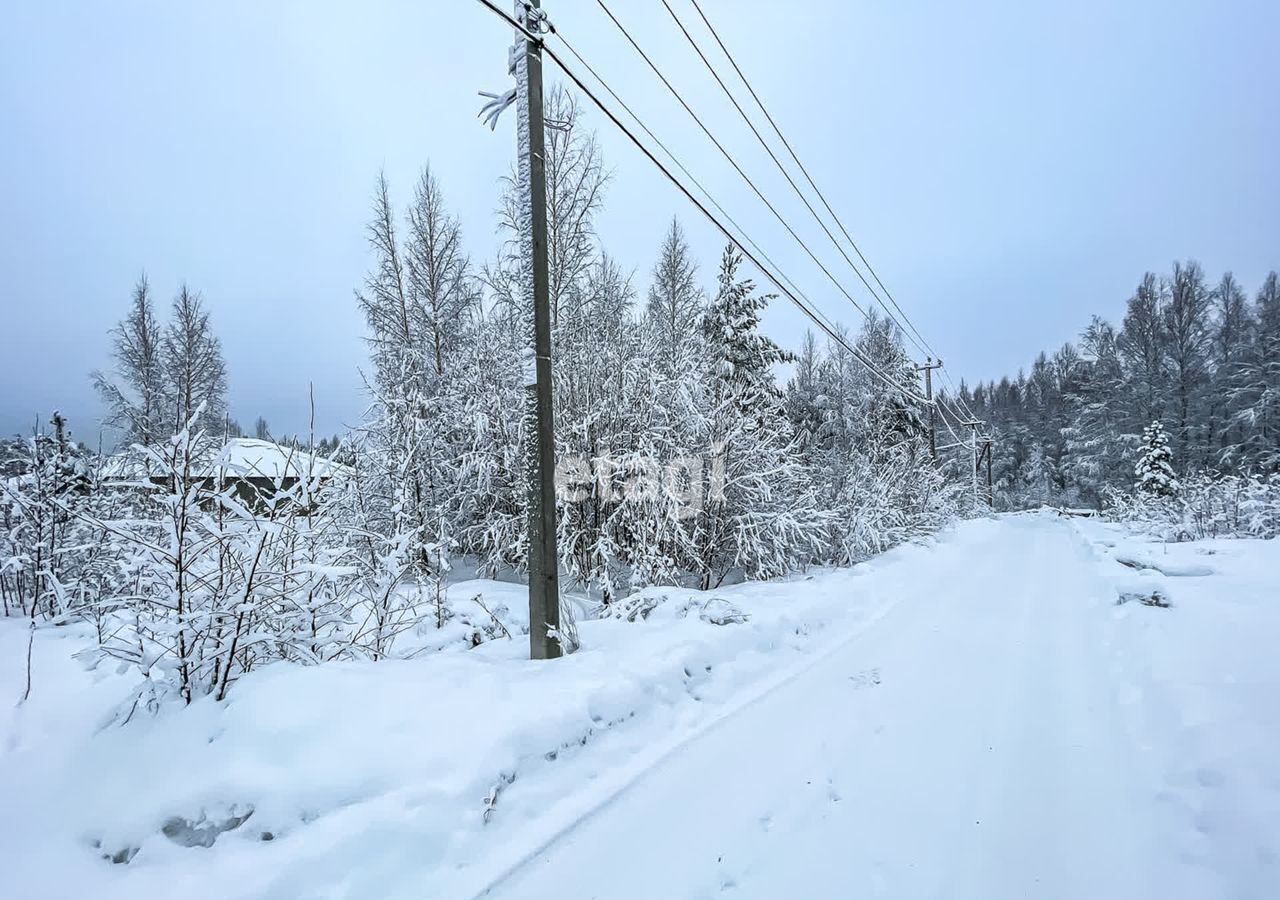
(760, 515)
(1154, 471)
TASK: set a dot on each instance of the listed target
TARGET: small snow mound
(203, 831)
(718, 611)
(1165, 567)
(713, 609)
(1155, 597)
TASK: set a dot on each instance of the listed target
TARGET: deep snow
(975, 718)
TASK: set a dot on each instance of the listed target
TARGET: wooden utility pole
(986, 451)
(544, 561)
(991, 492)
(928, 368)
(973, 431)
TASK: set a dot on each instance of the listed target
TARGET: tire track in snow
(985, 763)
(619, 783)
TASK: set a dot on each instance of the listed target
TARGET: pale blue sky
(1009, 167)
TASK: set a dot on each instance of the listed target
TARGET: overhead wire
(813, 316)
(787, 175)
(809, 178)
(920, 341)
(957, 397)
(681, 166)
(729, 157)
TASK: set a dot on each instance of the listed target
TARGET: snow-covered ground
(375, 779)
(1200, 686)
(973, 718)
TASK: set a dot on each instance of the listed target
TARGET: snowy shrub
(1208, 506)
(898, 500)
(52, 565)
(219, 586)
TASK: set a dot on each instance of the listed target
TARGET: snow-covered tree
(760, 514)
(877, 477)
(420, 302)
(1188, 330)
(576, 180)
(673, 310)
(1229, 346)
(441, 292)
(1141, 344)
(1154, 470)
(195, 376)
(48, 551)
(135, 399)
(1094, 440)
(804, 399)
(602, 413)
(1257, 393)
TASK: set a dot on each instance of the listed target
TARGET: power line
(733, 62)
(921, 343)
(725, 153)
(956, 398)
(815, 318)
(960, 420)
(676, 161)
(698, 184)
(785, 174)
(825, 325)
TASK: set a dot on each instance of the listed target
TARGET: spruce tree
(759, 517)
(1154, 470)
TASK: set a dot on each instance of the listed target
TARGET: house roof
(249, 456)
(238, 458)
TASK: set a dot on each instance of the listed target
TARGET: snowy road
(968, 745)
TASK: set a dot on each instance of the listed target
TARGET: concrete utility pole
(928, 368)
(544, 561)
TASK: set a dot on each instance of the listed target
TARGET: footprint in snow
(866, 679)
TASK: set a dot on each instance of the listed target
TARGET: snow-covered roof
(249, 456)
(239, 458)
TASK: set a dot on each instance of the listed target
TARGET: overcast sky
(1010, 168)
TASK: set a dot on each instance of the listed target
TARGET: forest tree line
(1200, 358)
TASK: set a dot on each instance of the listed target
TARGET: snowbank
(316, 781)
(1202, 681)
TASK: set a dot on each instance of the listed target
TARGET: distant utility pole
(544, 561)
(928, 368)
(973, 431)
(986, 451)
